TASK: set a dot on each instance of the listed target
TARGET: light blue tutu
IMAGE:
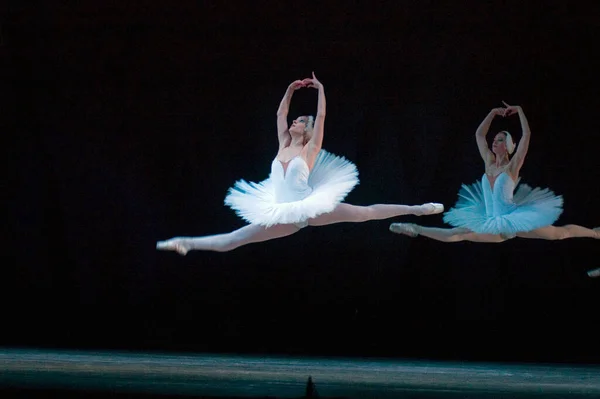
(483, 209)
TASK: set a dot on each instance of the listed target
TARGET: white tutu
(497, 211)
(294, 195)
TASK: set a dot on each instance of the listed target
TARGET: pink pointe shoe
(173, 244)
(431, 208)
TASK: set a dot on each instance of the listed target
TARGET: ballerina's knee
(458, 234)
(355, 214)
(562, 234)
(558, 233)
(553, 232)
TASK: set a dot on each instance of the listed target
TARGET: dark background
(126, 123)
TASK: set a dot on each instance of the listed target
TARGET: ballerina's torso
(287, 155)
(492, 172)
(286, 164)
(290, 177)
(498, 192)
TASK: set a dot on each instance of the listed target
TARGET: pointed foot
(175, 244)
(407, 229)
(430, 208)
(594, 273)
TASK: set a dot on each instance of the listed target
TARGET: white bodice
(290, 184)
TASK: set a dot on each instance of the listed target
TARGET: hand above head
(499, 111)
(511, 109)
(297, 84)
(312, 82)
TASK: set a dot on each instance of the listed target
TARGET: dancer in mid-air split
(490, 210)
(306, 187)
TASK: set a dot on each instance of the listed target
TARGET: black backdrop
(126, 124)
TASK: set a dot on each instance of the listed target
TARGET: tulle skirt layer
(532, 208)
(331, 179)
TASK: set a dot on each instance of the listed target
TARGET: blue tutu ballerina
(498, 207)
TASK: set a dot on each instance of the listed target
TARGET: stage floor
(286, 377)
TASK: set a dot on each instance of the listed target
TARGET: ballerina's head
(303, 125)
(503, 144)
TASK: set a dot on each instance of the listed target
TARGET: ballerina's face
(499, 144)
(299, 125)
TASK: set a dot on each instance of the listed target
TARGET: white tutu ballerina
(306, 186)
(293, 193)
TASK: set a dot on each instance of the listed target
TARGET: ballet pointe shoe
(594, 273)
(173, 244)
(431, 208)
(407, 229)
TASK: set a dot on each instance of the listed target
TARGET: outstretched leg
(455, 234)
(229, 241)
(356, 214)
(561, 232)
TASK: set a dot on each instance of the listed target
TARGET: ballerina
(487, 211)
(306, 187)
